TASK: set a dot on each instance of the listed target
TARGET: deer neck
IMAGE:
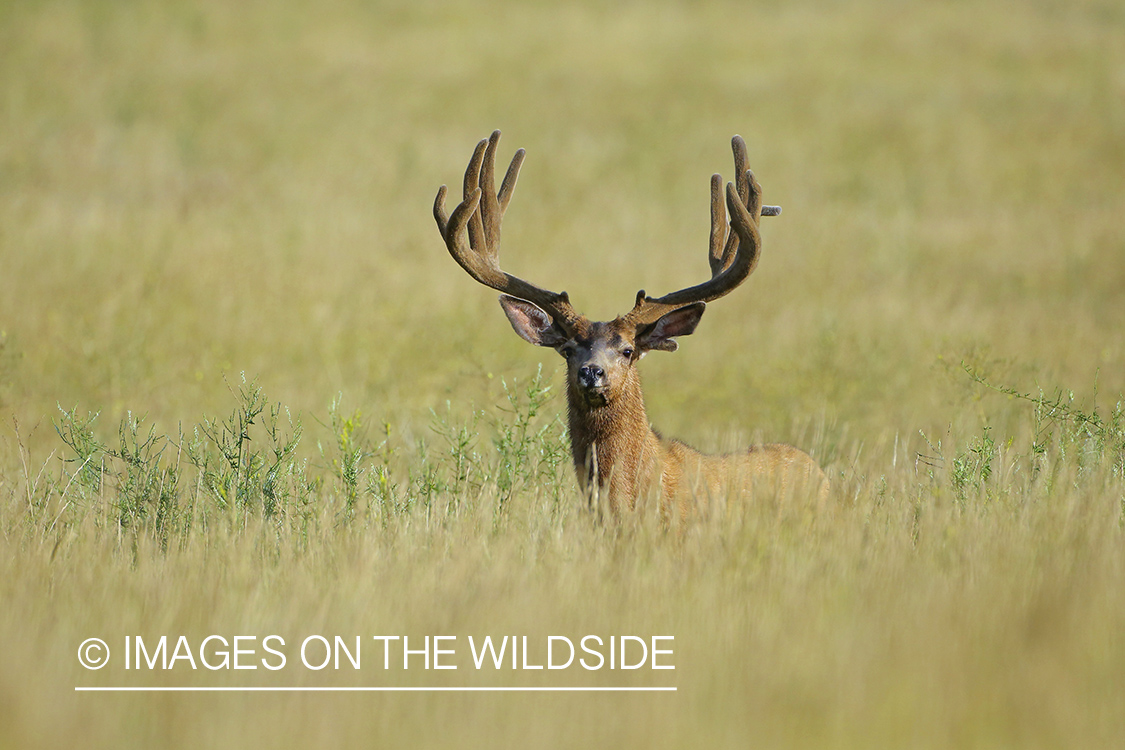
(613, 441)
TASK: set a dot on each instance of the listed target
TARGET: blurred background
(192, 191)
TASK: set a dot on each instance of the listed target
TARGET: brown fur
(620, 460)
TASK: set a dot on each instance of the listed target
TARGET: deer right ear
(532, 324)
(661, 334)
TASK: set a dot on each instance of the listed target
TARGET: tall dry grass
(191, 191)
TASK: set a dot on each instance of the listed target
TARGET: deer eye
(627, 353)
(567, 350)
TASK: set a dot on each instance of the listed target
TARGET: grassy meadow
(245, 391)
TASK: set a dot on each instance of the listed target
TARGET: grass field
(245, 391)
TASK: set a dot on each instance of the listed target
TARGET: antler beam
(481, 212)
(734, 248)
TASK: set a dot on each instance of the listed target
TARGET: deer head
(600, 356)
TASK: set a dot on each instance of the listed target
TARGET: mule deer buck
(618, 456)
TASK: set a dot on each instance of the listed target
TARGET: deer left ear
(661, 334)
(532, 323)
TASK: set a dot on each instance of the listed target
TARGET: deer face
(600, 356)
(599, 360)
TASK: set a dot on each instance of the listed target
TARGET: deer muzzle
(591, 377)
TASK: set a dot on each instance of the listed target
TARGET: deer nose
(591, 376)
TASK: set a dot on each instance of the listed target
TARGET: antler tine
(473, 184)
(732, 255)
(717, 256)
(496, 204)
(481, 212)
(741, 167)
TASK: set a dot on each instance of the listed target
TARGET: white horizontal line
(371, 689)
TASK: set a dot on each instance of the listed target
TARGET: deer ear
(532, 324)
(661, 334)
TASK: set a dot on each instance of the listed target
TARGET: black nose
(591, 376)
